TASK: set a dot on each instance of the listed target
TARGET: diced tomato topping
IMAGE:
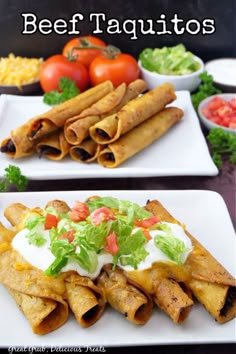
(216, 103)
(147, 234)
(232, 125)
(98, 216)
(148, 222)
(79, 212)
(51, 221)
(70, 235)
(111, 243)
(232, 103)
(221, 112)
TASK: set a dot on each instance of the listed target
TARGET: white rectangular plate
(182, 151)
(206, 217)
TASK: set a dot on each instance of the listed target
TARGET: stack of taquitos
(45, 300)
(77, 129)
(137, 125)
(23, 139)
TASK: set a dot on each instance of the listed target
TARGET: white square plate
(206, 217)
(181, 152)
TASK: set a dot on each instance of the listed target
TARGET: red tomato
(111, 243)
(70, 235)
(148, 222)
(79, 212)
(50, 221)
(100, 215)
(123, 68)
(221, 112)
(147, 234)
(84, 56)
(58, 66)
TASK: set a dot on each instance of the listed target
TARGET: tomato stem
(109, 51)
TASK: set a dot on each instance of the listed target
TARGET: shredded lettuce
(170, 245)
(124, 207)
(34, 224)
(131, 245)
(169, 60)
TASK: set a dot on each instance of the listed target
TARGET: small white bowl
(189, 82)
(223, 71)
(208, 123)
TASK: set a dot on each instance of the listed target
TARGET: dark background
(220, 44)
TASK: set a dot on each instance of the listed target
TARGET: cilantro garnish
(13, 178)
(67, 90)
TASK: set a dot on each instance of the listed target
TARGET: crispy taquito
(85, 299)
(53, 146)
(87, 151)
(40, 298)
(139, 138)
(124, 295)
(165, 283)
(211, 284)
(77, 128)
(132, 114)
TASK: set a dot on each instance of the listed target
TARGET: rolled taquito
(76, 129)
(139, 138)
(40, 298)
(22, 140)
(132, 114)
(125, 296)
(53, 146)
(87, 151)
(57, 116)
(18, 145)
(211, 284)
(85, 299)
(164, 281)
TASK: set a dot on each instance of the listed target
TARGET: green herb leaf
(222, 145)
(67, 90)
(13, 178)
(205, 89)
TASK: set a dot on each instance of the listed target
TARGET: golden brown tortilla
(39, 297)
(87, 151)
(125, 295)
(53, 146)
(76, 128)
(209, 281)
(139, 138)
(85, 299)
(132, 114)
(22, 140)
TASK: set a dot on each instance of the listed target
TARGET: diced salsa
(221, 112)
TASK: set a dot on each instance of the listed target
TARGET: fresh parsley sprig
(205, 89)
(67, 90)
(13, 178)
(222, 145)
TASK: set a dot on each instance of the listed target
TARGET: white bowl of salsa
(219, 111)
